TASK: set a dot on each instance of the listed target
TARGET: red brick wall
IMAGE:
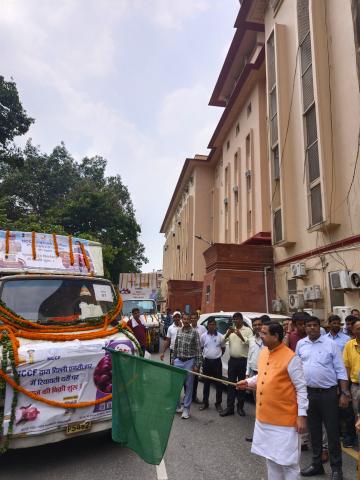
(184, 292)
(235, 274)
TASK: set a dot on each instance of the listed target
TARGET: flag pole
(219, 380)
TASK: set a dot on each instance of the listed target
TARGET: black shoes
(241, 412)
(248, 439)
(196, 400)
(226, 412)
(313, 470)
(204, 406)
(218, 407)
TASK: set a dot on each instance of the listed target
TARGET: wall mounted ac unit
(312, 292)
(226, 201)
(317, 292)
(308, 293)
(340, 280)
(316, 312)
(342, 311)
(296, 300)
(354, 278)
(298, 270)
(235, 189)
(248, 173)
(277, 306)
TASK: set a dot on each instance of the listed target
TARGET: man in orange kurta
(281, 404)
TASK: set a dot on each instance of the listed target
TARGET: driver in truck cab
(137, 325)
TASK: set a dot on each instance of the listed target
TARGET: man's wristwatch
(346, 393)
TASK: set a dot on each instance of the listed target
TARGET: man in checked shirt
(187, 355)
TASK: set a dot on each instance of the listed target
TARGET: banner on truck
(65, 373)
(20, 254)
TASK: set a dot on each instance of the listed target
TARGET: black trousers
(236, 371)
(213, 368)
(324, 408)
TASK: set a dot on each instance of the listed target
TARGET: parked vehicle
(57, 314)
(224, 321)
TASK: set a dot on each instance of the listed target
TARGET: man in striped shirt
(187, 355)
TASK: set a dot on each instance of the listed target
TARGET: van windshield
(54, 300)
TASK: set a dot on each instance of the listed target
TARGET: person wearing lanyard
(212, 365)
(351, 357)
(201, 330)
(255, 345)
(324, 369)
(238, 338)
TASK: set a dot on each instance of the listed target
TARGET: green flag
(145, 394)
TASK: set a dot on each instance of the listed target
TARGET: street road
(205, 446)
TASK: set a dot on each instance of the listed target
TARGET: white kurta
(278, 443)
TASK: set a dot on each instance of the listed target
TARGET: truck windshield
(52, 300)
(146, 307)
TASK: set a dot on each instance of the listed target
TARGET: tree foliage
(54, 193)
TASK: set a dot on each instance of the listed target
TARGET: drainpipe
(266, 288)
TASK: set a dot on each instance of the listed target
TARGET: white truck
(140, 290)
(57, 314)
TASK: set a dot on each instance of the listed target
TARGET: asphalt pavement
(204, 447)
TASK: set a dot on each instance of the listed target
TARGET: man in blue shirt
(340, 338)
(347, 414)
(324, 369)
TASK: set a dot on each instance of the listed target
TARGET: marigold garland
(56, 246)
(52, 403)
(33, 244)
(7, 242)
(71, 253)
(85, 257)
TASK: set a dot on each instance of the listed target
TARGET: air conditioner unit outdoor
(312, 292)
(277, 306)
(354, 278)
(298, 270)
(340, 280)
(296, 300)
(316, 312)
(226, 201)
(248, 173)
(342, 312)
(309, 293)
(317, 292)
(235, 189)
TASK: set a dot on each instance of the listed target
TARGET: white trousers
(282, 472)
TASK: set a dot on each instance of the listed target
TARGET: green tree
(14, 121)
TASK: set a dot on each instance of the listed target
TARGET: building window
(277, 226)
(237, 129)
(309, 114)
(272, 93)
(248, 148)
(248, 109)
(228, 145)
(249, 222)
(207, 294)
(275, 163)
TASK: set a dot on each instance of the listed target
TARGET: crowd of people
(304, 377)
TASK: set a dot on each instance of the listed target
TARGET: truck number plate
(78, 427)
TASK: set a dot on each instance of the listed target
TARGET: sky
(129, 80)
